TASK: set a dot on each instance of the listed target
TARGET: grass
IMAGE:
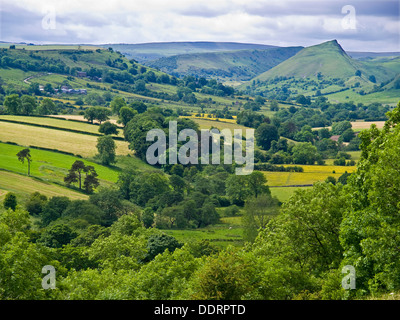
(76, 143)
(47, 165)
(24, 185)
(310, 175)
(284, 193)
(228, 232)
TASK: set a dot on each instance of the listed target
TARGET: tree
(257, 213)
(12, 103)
(90, 114)
(237, 189)
(274, 106)
(111, 204)
(91, 181)
(372, 78)
(10, 201)
(303, 100)
(116, 104)
(139, 106)
(76, 172)
(126, 114)
(339, 127)
(347, 135)
(53, 209)
(136, 130)
(257, 183)
(23, 155)
(100, 114)
(140, 86)
(305, 153)
(36, 203)
(158, 243)
(265, 134)
(106, 148)
(57, 236)
(108, 128)
(225, 276)
(47, 106)
(28, 105)
(369, 231)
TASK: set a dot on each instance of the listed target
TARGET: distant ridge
(144, 52)
(237, 65)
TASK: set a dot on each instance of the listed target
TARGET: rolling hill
(226, 65)
(143, 52)
(328, 59)
(326, 69)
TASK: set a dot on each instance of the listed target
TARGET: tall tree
(23, 155)
(75, 173)
(265, 134)
(106, 148)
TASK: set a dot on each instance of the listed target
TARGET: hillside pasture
(24, 185)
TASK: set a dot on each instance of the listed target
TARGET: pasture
(24, 185)
(311, 174)
(76, 143)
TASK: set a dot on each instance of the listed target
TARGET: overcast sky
(358, 25)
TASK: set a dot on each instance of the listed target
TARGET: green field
(24, 185)
(47, 165)
(284, 193)
(228, 232)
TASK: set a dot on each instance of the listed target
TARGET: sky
(358, 25)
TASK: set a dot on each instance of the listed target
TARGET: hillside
(143, 52)
(228, 65)
(326, 69)
(328, 59)
(100, 74)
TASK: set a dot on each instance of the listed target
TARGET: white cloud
(283, 22)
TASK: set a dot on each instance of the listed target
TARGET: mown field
(23, 186)
(58, 123)
(76, 143)
(310, 175)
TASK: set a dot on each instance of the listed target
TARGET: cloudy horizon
(356, 25)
